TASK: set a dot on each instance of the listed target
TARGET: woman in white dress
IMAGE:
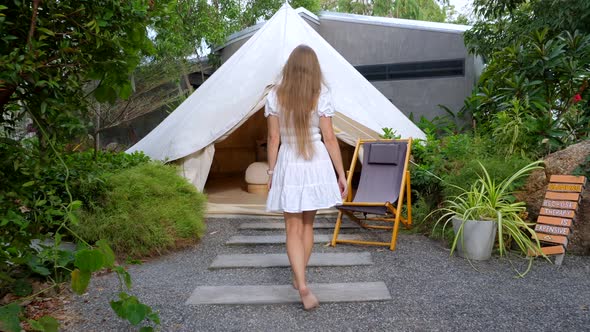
(306, 174)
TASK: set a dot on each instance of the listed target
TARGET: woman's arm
(273, 142)
(331, 143)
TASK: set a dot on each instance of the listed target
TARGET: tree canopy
(533, 93)
(425, 10)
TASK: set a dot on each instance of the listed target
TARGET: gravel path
(431, 291)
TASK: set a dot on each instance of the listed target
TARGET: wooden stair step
(557, 213)
(558, 239)
(549, 203)
(552, 229)
(576, 188)
(555, 221)
(549, 251)
(568, 179)
(562, 196)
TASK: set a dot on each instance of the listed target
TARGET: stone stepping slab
(281, 260)
(275, 294)
(281, 225)
(281, 239)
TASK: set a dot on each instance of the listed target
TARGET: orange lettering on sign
(565, 187)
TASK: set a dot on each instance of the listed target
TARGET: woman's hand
(343, 186)
(269, 184)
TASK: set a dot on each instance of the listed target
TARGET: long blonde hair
(298, 94)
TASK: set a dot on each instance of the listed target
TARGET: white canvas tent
(237, 90)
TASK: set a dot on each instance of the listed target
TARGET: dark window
(413, 70)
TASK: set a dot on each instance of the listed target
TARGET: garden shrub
(147, 209)
(499, 168)
(35, 201)
(446, 163)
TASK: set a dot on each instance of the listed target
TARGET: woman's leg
(296, 254)
(308, 219)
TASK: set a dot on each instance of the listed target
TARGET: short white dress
(297, 184)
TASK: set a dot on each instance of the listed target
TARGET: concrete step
(281, 239)
(272, 294)
(281, 225)
(281, 260)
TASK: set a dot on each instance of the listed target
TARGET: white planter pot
(477, 240)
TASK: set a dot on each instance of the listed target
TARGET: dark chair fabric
(381, 176)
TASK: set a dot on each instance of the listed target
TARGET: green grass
(146, 210)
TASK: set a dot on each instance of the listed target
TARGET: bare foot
(309, 300)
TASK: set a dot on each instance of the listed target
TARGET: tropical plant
(390, 133)
(537, 90)
(486, 199)
(538, 63)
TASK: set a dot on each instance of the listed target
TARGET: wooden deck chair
(384, 183)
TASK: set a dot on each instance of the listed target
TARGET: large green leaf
(80, 280)
(130, 308)
(89, 260)
(9, 320)
(108, 254)
(45, 324)
(118, 308)
(136, 312)
(37, 267)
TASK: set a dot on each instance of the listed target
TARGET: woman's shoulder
(272, 90)
(271, 102)
(325, 104)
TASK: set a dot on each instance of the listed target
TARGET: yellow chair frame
(396, 218)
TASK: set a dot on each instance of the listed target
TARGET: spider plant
(486, 199)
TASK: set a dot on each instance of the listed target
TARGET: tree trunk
(97, 132)
(185, 74)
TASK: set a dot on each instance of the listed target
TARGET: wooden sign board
(564, 222)
(562, 196)
(558, 213)
(565, 187)
(560, 204)
(552, 229)
(552, 238)
(568, 179)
